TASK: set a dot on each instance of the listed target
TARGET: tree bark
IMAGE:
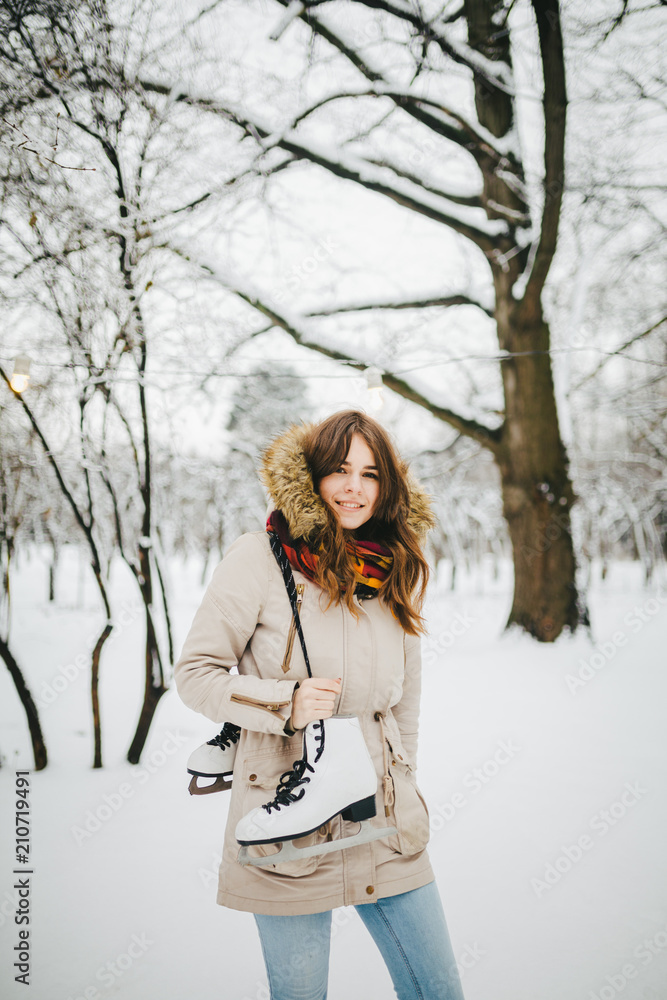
(536, 489)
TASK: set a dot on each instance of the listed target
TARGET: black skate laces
(288, 577)
(293, 779)
(297, 776)
(228, 734)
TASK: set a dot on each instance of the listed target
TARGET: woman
(350, 520)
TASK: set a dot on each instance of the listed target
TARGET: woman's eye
(341, 470)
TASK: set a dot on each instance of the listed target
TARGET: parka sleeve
(406, 711)
(220, 632)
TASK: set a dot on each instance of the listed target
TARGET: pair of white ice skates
(334, 776)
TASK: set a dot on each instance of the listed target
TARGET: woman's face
(352, 490)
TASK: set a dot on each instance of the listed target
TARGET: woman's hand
(314, 699)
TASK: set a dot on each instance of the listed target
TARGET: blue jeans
(409, 929)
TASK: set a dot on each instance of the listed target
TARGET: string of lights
(372, 372)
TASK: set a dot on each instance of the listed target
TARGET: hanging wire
(115, 377)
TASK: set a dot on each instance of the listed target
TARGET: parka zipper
(268, 706)
(292, 629)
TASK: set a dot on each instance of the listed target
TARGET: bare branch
(486, 436)
(462, 135)
(441, 300)
(81, 521)
(430, 30)
(555, 104)
(619, 351)
(486, 241)
(471, 200)
(482, 145)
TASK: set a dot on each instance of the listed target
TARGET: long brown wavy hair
(325, 448)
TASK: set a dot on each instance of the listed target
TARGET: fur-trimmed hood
(285, 473)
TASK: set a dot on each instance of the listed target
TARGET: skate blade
(219, 785)
(288, 852)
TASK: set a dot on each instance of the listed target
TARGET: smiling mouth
(349, 506)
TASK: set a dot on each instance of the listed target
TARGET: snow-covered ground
(545, 769)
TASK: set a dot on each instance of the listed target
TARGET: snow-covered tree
(383, 82)
(71, 246)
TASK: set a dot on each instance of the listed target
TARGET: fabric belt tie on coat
(387, 780)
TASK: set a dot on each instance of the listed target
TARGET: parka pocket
(408, 813)
(267, 706)
(260, 775)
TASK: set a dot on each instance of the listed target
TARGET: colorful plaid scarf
(371, 561)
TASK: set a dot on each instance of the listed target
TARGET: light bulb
(21, 376)
(374, 386)
(375, 398)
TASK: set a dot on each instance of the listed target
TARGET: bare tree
(512, 228)
(19, 499)
(76, 250)
(608, 295)
(85, 521)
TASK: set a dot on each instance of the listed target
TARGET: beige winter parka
(245, 621)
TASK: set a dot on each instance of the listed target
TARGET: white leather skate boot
(335, 775)
(214, 759)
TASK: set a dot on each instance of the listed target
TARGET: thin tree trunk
(55, 554)
(94, 693)
(154, 688)
(36, 737)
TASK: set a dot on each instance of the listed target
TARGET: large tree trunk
(536, 487)
(537, 498)
(545, 596)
